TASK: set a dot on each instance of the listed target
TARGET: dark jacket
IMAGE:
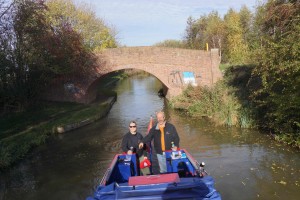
(171, 135)
(130, 140)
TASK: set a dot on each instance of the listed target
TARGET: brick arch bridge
(167, 64)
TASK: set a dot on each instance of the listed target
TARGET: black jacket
(130, 140)
(171, 135)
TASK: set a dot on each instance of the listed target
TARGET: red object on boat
(153, 179)
(145, 163)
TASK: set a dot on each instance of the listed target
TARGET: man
(165, 137)
(130, 145)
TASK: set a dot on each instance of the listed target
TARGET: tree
(95, 33)
(34, 52)
(207, 29)
(236, 49)
(23, 60)
(278, 98)
(246, 20)
(191, 32)
(214, 32)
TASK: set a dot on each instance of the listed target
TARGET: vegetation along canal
(244, 163)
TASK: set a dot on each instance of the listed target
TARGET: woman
(130, 145)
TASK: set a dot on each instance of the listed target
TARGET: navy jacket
(130, 140)
(171, 135)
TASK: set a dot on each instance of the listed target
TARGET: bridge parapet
(156, 55)
(164, 61)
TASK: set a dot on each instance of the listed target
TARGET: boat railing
(105, 177)
(198, 166)
(108, 172)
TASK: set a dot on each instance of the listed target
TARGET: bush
(217, 103)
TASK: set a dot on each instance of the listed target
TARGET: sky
(146, 22)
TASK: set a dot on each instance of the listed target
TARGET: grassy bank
(230, 103)
(23, 131)
(217, 103)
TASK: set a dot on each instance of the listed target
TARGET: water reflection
(244, 163)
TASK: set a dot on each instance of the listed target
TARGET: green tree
(207, 29)
(255, 34)
(191, 32)
(27, 30)
(236, 49)
(278, 98)
(214, 31)
(95, 33)
(246, 20)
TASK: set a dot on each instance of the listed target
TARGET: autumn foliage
(41, 43)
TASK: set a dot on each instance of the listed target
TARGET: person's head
(132, 127)
(160, 116)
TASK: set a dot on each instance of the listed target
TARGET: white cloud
(146, 22)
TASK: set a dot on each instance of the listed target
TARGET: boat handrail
(195, 163)
(106, 174)
(109, 170)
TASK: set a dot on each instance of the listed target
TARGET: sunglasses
(132, 126)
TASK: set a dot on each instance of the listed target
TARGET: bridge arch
(151, 69)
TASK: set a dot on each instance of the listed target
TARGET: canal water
(245, 163)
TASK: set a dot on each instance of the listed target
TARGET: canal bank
(22, 132)
(74, 125)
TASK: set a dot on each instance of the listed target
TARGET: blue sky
(146, 22)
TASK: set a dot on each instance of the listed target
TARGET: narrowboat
(185, 179)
